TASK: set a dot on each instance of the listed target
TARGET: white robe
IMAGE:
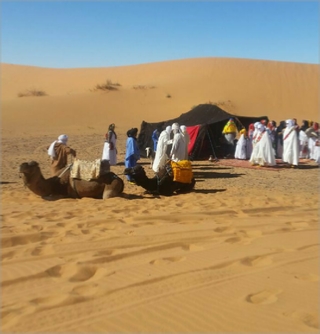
(303, 139)
(186, 138)
(263, 153)
(316, 151)
(161, 153)
(290, 146)
(178, 150)
(108, 154)
(241, 148)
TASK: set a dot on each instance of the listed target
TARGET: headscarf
(316, 126)
(230, 127)
(132, 132)
(289, 123)
(61, 139)
(183, 128)
(243, 131)
(256, 124)
(111, 127)
(175, 126)
(168, 129)
(305, 125)
(251, 127)
(261, 127)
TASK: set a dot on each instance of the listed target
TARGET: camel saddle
(89, 170)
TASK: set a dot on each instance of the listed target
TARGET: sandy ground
(238, 254)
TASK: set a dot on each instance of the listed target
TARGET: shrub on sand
(108, 85)
(32, 92)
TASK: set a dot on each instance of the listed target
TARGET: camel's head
(135, 172)
(28, 167)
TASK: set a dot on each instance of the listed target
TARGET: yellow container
(182, 171)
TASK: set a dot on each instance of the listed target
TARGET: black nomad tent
(204, 124)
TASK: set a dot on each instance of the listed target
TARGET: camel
(163, 185)
(107, 185)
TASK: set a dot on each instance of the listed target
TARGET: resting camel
(107, 185)
(163, 185)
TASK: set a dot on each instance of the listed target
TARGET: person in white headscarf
(262, 152)
(290, 153)
(255, 132)
(110, 146)
(178, 149)
(241, 146)
(58, 152)
(161, 154)
(186, 138)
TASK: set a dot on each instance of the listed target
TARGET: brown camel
(107, 185)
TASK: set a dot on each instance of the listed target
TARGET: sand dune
(155, 92)
(239, 254)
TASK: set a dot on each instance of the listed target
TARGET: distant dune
(154, 92)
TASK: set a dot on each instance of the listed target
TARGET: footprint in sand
(307, 277)
(249, 233)
(86, 290)
(167, 260)
(257, 261)
(43, 250)
(76, 273)
(238, 240)
(309, 319)
(192, 247)
(88, 273)
(223, 229)
(264, 297)
(49, 300)
(298, 225)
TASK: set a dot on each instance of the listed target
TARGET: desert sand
(238, 254)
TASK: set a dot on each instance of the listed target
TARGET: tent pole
(211, 144)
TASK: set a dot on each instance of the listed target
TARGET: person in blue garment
(132, 151)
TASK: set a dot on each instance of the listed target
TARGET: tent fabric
(193, 133)
(207, 137)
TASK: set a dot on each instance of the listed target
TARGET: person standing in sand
(110, 146)
(262, 153)
(59, 151)
(290, 153)
(132, 150)
(178, 149)
(161, 154)
(230, 132)
(186, 138)
(241, 147)
(303, 140)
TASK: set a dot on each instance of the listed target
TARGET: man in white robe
(178, 150)
(161, 153)
(290, 153)
(186, 138)
(262, 153)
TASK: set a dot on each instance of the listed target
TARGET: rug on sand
(246, 164)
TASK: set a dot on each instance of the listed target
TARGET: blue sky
(68, 34)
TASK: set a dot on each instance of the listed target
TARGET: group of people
(165, 147)
(261, 144)
(132, 149)
(264, 142)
